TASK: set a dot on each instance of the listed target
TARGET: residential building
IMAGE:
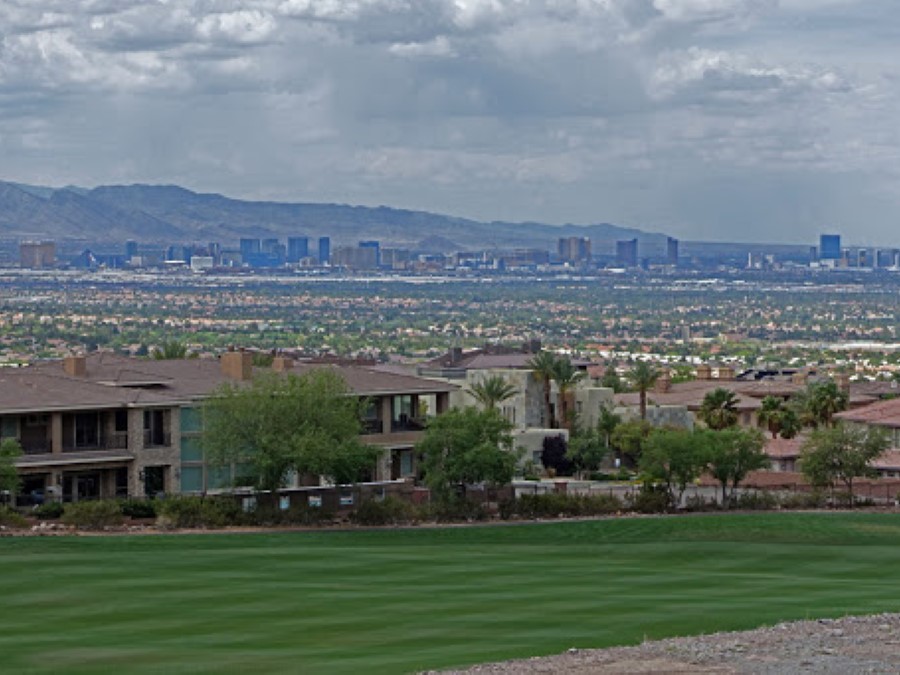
(104, 425)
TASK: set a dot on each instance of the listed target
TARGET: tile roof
(880, 413)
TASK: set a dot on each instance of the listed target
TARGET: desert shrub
(48, 511)
(389, 511)
(803, 500)
(756, 501)
(650, 499)
(138, 508)
(456, 510)
(93, 515)
(556, 505)
(698, 503)
(11, 518)
(507, 508)
(267, 516)
(190, 511)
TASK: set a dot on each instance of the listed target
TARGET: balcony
(35, 447)
(408, 424)
(372, 426)
(157, 439)
(114, 441)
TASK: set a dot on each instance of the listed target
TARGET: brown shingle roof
(881, 413)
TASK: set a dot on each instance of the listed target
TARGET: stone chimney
(726, 373)
(282, 364)
(842, 380)
(663, 382)
(76, 366)
(704, 372)
(237, 365)
(455, 355)
(800, 378)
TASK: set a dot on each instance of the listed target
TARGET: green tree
(276, 424)
(611, 379)
(607, 422)
(493, 390)
(544, 366)
(170, 349)
(823, 400)
(629, 438)
(642, 378)
(841, 453)
(675, 457)
(566, 377)
(770, 414)
(719, 409)
(466, 446)
(10, 451)
(732, 454)
(587, 448)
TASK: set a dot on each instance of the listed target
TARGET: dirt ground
(850, 645)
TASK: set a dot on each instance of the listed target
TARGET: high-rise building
(671, 251)
(574, 249)
(250, 247)
(131, 249)
(374, 245)
(37, 254)
(830, 247)
(324, 250)
(297, 249)
(627, 252)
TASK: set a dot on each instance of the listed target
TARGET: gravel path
(869, 644)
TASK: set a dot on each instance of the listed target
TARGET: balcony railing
(114, 441)
(372, 426)
(408, 424)
(156, 439)
(35, 447)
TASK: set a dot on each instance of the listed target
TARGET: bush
(93, 515)
(190, 511)
(11, 518)
(756, 501)
(389, 511)
(138, 508)
(698, 503)
(556, 504)
(803, 500)
(48, 511)
(650, 499)
(266, 516)
(456, 510)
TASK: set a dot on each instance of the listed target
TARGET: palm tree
(566, 376)
(607, 423)
(493, 390)
(544, 364)
(719, 409)
(170, 349)
(824, 400)
(642, 377)
(770, 414)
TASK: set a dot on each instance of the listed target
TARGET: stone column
(56, 433)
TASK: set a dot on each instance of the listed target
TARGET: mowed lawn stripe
(400, 600)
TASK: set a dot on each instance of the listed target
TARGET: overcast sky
(745, 120)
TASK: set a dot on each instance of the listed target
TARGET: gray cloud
(765, 119)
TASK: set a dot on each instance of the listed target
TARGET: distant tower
(671, 251)
(37, 254)
(830, 247)
(131, 249)
(297, 249)
(250, 247)
(372, 244)
(627, 252)
(574, 249)
(324, 250)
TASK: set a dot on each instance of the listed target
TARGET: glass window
(406, 463)
(192, 479)
(9, 427)
(191, 449)
(218, 477)
(191, 420)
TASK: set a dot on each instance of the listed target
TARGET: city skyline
(727, 120)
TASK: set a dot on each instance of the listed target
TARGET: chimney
(842, 380)
(76, 366)
(726, 373)
(237, 365)
(455, 355)
(663, 382)
(800, 378)
(281, 364)
(704, 372)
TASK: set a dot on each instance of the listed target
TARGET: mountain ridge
(171, 213)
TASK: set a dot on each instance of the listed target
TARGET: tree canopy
(465, 446)
(642, 377)
(732, 454)
(278, 424)
(841, 453)
(719, 409)
(10, 450)
(493, 390)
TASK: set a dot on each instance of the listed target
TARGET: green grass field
(402, 600)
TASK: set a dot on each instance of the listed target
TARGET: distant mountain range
(168, 214)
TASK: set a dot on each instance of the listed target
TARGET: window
(192, 479)
(121, 421)
(191, 420)
(191, 449)
(9, 427)
(218, 477)
(87, 430)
